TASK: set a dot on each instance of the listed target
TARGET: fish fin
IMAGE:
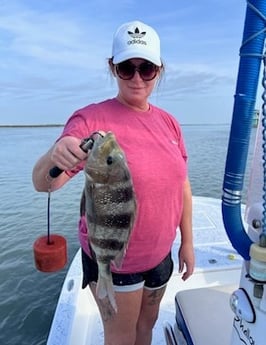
(104, 288)
(83, 204)
(118, 260)
(93, 255)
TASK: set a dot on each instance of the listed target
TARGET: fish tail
(104, 289)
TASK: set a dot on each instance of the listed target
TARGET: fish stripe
(105, 259)
(117, 221)
(111, 244)
(119, 195)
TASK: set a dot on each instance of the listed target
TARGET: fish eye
(109, 160)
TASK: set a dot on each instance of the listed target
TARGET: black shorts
(152, 279)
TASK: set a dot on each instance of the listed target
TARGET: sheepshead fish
(110, 208)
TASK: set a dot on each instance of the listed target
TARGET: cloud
(183, 81)
(51, 37)
(53, 53)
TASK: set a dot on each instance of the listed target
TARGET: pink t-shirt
(156, 157)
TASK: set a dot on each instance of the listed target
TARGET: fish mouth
(101, 176)
(99, 172)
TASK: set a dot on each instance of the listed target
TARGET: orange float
(50, 253)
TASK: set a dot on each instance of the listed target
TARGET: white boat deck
(77, 320)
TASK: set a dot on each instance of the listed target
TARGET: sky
(53, 56)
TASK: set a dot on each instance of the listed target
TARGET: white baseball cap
(136, 40)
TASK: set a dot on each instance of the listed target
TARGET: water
(29, 297)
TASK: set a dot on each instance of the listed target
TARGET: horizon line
(62, 125)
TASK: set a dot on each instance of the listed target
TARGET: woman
(156, 155)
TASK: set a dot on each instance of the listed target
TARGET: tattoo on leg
(156, 295)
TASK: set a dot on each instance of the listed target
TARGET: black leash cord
(48, 217)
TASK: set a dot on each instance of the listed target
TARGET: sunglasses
(126, 70)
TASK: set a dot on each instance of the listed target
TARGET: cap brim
(126, 55)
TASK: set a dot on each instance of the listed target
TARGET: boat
(224, 301)
(77, 320)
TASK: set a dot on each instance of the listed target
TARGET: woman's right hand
(66, 153)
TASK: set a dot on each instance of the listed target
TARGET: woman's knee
(146, 323)
(120, 339)
(120, 329)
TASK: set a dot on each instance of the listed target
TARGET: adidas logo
(136, 35)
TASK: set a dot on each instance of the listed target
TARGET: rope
(263, 57)
(263, 235)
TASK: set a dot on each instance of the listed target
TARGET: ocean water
(28, 297)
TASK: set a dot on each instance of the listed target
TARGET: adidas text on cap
(136, 40)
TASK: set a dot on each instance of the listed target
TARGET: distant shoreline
(27, 126)
(61, 125)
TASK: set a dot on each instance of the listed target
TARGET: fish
(109, 204)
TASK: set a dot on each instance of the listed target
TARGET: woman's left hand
(186, 260)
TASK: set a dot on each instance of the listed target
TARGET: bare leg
(120, 328)
(133, 323)
(148, 315)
